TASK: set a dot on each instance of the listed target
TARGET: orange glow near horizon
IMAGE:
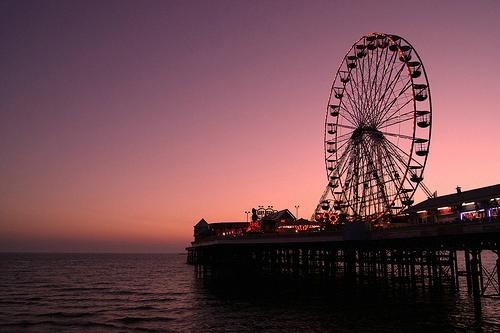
(121, 132)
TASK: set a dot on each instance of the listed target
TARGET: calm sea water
(160, 293)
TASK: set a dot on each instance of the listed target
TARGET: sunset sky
(124, 122)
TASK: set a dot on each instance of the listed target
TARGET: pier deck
(436, 232)
(416, 257)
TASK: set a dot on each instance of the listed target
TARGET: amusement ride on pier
(377, 131)
(377, 137)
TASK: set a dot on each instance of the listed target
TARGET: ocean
(160, 293)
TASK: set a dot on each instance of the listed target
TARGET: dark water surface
(159, 293)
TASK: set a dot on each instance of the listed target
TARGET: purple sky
(124, 122)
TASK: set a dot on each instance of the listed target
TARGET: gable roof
(202, 222)
(278, 215)
(450, 200)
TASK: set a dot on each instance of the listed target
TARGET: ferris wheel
(377, 129)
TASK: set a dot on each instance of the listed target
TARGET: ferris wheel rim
(401, 47)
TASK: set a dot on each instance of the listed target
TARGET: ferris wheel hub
(363, 130)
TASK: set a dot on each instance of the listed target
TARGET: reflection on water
(159, 293)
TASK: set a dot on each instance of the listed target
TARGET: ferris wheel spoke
(357, 180)
(391, 81)
(402, 195)
(344, 107)
(376, 82)
(347, 119)
(347, 156)
(384, 196)
(357, 85)
(346, 126)
(348, 189)
(364, 89)
(373, 172)
(373, 82)
(344, 137)
(343, 168)
(369, 78)
(359, 97)
(368, 176)
(389, 88)
(389, 85)
(383, 87)
(389, 174)
(366, 181)
(353, 104)
(362, 83)
(395, 116)
(390, 102)
(400, 119)
(392, 165)
(340, 162)
(397, 159)
(387, 66)
(398, 151)
(397, 135)
(347, 114)
(369, 86)
(388, 105)
(381, 179)
(344, 142)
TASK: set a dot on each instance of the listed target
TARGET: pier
(416, 257)
(366, 228)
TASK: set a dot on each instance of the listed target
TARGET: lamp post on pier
(297, 211)
(247, 212)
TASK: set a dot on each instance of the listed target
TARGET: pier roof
(202, 222)
(285, 213)
(475, 195)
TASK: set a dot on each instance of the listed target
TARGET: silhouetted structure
(418, 255)
(415, 257)
(377, 139)
(481, 204)
(204, 230)
(201, 230)
(229, 229)
(271, 222)
(254, 215)
(378, 125)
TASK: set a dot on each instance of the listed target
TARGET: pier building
(481, 204)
